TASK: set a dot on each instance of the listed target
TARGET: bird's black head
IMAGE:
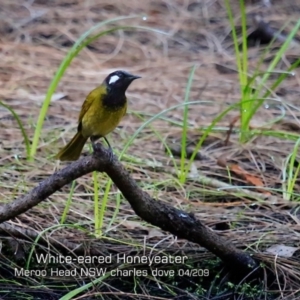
(119, 81)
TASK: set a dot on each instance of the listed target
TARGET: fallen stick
(183, 225)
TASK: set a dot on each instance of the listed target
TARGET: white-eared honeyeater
(100, 114)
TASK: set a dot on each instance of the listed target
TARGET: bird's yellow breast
(99, 120)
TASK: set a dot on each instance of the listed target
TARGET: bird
(100, 114)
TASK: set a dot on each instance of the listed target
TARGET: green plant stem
(183, 174)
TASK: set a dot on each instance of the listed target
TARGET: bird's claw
(98, 149)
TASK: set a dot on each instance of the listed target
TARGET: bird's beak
(134, 77)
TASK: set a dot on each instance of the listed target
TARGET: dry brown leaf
(248, 177)
(252, 179)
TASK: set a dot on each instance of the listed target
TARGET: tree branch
(177, 222)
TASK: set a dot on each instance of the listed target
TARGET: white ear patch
(113, 79)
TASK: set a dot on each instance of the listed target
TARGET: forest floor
(35, 36)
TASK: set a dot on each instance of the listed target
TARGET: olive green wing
(96, 93)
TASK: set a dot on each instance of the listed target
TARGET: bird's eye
(113, 79)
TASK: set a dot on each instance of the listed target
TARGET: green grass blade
(96, 204)
(271, 68)
(25, 137)
(116, 211)
(157, 116)
(68, 204)
(242, 66)
(103, 206)
(35, 243)
(281, 77)
(245, 108)
(158, 135)
(209, 130)
(235, 43)
(292, 176)
(72, 294)
(183, 174)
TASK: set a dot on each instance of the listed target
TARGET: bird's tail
(73, 149)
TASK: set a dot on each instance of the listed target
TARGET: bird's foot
(99, 150)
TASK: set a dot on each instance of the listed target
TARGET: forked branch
(175, 221)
